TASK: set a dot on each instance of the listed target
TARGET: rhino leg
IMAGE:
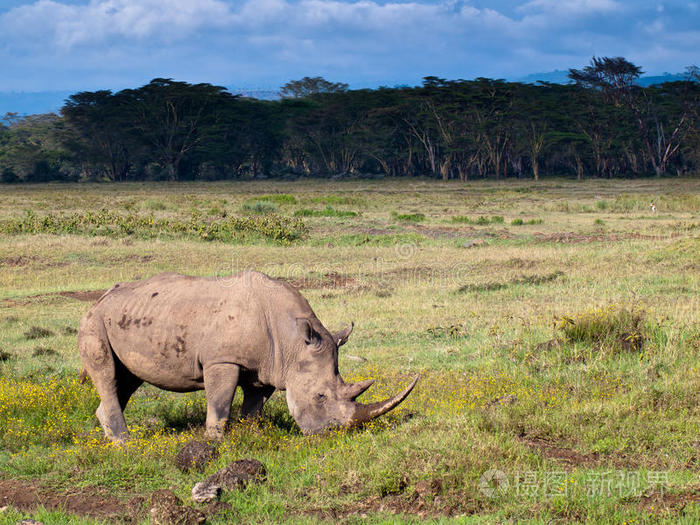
(220, 381)
(113, 382)
(254, 397)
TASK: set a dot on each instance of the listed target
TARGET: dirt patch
(95, 503)
(564, 455)
(163, 506)
(84, 295)
(79, 295)
(20, 260)
(667, 500)
(136, 258)
(574, 238)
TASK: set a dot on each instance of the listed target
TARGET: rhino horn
(340, 338)
(364, 413)
(352, 391)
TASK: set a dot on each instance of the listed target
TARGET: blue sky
(112, 44)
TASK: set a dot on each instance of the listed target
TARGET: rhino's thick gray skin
(184, 333)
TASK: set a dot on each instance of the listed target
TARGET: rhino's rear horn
(340, 338)
(364, 413)
(352, 391)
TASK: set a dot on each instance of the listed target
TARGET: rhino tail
(83, 376)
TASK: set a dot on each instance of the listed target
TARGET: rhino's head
(317, 396)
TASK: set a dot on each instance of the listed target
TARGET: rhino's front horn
(364, 413)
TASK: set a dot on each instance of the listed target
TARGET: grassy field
(555, 327)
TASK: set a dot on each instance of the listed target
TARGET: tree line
(602, 124)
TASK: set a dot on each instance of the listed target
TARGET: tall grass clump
(408, 217)
(611, 329)
(278, 198)
(329, 211)
(259, 207)
(481, 220)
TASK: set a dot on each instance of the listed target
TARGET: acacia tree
(96, 133)
(171, 117)
(308, 86)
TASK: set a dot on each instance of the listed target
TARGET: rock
(204, 492)
(167, 509)
(472, 244)
(195, 455)
(238, 474)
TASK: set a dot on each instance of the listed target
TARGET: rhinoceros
(183, 333)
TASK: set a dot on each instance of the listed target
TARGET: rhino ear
(340, 338)
(307, 332)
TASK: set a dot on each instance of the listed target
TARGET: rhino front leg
(254, 397)
(220, 383)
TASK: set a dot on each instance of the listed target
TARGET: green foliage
(274, 227)
(481, 220)
(279, 198)
(408, 217)
(329, 211)
(517, 222)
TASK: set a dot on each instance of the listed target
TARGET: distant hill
(32, 103)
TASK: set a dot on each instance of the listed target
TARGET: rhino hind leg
(254, 397)
(220, 381)
(105, 371)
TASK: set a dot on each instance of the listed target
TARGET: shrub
(517, 222)
(274, 227)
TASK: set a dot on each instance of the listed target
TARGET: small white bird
(653, 207)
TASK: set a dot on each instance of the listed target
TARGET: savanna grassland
(555, 327)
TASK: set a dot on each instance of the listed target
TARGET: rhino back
(166, 329)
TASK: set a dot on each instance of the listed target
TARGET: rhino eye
(320, 397)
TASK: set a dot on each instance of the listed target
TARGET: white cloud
(574, 7)
(70, 25)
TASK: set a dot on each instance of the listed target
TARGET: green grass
(564, 356)
(328, 211)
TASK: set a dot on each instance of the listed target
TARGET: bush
(274, 227)
(517, 222)
(8, 176)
